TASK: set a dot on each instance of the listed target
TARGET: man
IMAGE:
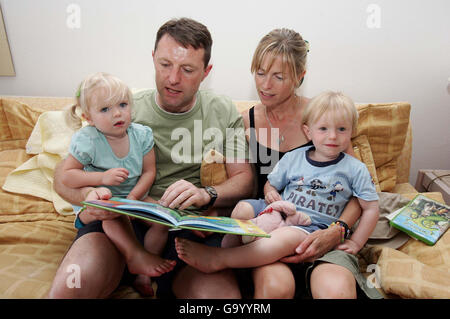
(179, 115)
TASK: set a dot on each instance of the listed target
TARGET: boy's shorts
(302, 272)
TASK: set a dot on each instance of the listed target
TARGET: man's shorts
(164, 282)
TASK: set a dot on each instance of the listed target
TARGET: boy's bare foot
(145, 263)
(199, 256)
(143, 284)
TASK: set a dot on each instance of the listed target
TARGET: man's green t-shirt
(182, 139)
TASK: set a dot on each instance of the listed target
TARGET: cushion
(363, 152)
(386, 127)
(50, 140)
(16, 123)
(12, 204)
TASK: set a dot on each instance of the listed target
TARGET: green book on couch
(423, 218)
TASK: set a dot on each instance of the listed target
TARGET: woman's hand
(315, 245)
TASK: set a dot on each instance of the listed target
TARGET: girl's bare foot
(199, 256)
(145, 263)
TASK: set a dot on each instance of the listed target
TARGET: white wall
(406, 59)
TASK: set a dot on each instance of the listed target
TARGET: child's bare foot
(143, 284)
(199, 256)
(145, 263)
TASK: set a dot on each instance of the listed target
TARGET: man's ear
(307, 131)
(207, 70)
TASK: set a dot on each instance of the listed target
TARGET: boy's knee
(330, 281)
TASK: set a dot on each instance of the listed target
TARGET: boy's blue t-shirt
(321, 189)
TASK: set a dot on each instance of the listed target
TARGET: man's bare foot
(199, 256)
(145, 263)
(143, 284)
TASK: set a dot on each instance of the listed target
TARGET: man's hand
(315, 245)
(114, 176)
(183, 194)
(91, 213)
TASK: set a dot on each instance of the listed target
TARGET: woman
(274, 129)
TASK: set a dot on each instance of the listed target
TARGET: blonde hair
(285, 43)
(111, 89)
(339, 104)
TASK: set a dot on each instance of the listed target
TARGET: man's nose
(174, 76)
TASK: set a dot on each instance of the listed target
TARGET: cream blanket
(49, 140)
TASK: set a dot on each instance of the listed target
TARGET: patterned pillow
(363, 152)
(386, 127)
(16, 123)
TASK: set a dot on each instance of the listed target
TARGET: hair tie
(78, 91)
(307, 45)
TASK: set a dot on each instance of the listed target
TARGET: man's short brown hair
(187, 32)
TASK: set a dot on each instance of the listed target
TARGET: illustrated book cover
(177, 218)
(423, 218)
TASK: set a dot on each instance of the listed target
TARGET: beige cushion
(16, 123)
(363, 152)
(386, 127)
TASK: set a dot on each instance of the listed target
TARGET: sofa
(37, 227)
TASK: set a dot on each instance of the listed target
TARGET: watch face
(211, 191)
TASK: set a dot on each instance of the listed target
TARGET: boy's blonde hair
(338, 103)
(285, 43)
(97, 89)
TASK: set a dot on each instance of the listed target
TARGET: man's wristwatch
(212, 194)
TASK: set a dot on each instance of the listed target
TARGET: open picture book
(178, 219)
(422, 218)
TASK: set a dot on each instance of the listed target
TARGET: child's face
(330, 136)
(111, 120)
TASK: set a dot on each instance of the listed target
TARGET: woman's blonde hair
(110, 89)
(285, 43)
(339, 104)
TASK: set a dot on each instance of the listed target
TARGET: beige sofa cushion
(386, 127)
(363, 152)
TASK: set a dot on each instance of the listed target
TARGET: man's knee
(92, 268)
(329, 281)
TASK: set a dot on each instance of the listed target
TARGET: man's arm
(77, 195)
(239, 184)
(73, 195)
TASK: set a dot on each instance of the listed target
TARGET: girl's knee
(243, 210)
